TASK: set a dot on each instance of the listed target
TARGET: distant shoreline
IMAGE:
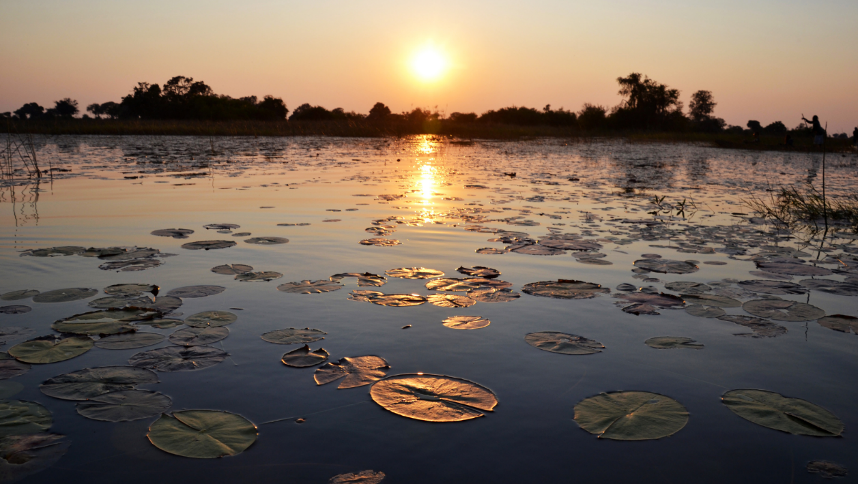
(361, 128)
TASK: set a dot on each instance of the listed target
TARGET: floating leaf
(198, 291)
(14, 309)
(564, 289)
(128, 405)
(365, 476)
(50, 349)
(174, 233)
(563, 343)
(291, 336)
(267, 241)
(772, 410)
(712, 300)
(212, 318)
(232, 269)
(453, 284)
(57, 251)
(85, 384)
(258, 276)
(479, 271)
(306, 287)
(666, 266)
(570, 244)
(395, 300)
(175, 358)
(18, 295)
(23, 455)
(210, 244)
(198, 336)
(705, 311)
(831, 286)
(631, 415)
(9, 367)
(792, 268)
(673, 343)
(358, 371)
(414, 273)
(304, 357)
(433, 398)
(165, 304)
(202, 433)
(826, 469)
(23, 417)
(760, 327)
(535, 249)
(363, 279)
(493, 295)
(108, 302)
(125, 341)
(162, 323)
(783, 310)
(650, 303)
(450, 301)
(490, 251)
(466, 322)
(772, 287)
(380, 241)
(840, 323)
(687, 287)
(65, 295)
(102, 322)
(131, 290)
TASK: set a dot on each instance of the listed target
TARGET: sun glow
(429, 64)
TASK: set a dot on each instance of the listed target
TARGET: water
(117, 190)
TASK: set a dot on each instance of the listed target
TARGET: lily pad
(65, 295)
(565, 289)
(631, 415)
(414, 273)
(792, 268)
(365, 476)
(649, 303)
(307, 287)
(130, 265)
(364, 295)
(453, 284)
(214, 318)
(396, 300)
(23, 417)
(759, 327)
(535, 249)
(258, 276)
(165, 304)
(267, 241)
(23, 455)
(791, 415)
(209, 244)
(705, 311)
(202, 433)
(450, 301)
(175, 358)
(232, 269)
(358, 371)
(198, 336)
(18, 295)
(304, 357)
(380, 241)
(50, 349)
(133, 340)
(162, 323)
(434, 398)
(493, 295)
(9, 367)
(128, 405)
(131, 290)
(102, 322)
(826, 469)
(479, 271)
(466, 322)
(666, 266)
(840, 323)
(831, 286)
(56, 251)
(673, 343)
(783, 310)
(363, 279)
(772, 287)
(174, 233)
(687, 287)
(712, 300)
(116, 302)
(290, 336)
(563, 343)
(490, 251)
(84, 384)
(14, 309)
(198, 291)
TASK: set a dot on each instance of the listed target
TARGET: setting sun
(428, 64)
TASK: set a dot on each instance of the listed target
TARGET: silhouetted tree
(273, 108)
(463, 117)
(776, 128)
(379, 112)
(307, 112)
(592, 117)
(66, 107)
(647, 104)
(701, 106)
(755, 125)
(29, 111)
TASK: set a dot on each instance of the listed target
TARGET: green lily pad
(86, 384)
(565, 289)
(232, 269)
(177, 359)
(365, 476)
(50, 349)
(434, 398)
(128, 405)
(165, 304)
(102, 322)
(141, 264)
(791, 415)
(198, 336)
(673, 343)
(304, 357)
(23, 417)
(650, 303)
(198, 291)
(65, 295)
(783, 310)
(306, 287)
(363, 279)
(258, 276)
(290, 336)
(133, 340)
(450, 301)
(631, 415)
(666, 266)
(10, 367)
(840, 323)
(414, 273)
(213, 318)
(23, 455)
(209, 244)
(202, 433)
(358, 371)
(18, 295)
(267, 240)
(563, 343)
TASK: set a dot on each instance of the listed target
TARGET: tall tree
(66, 107)
(29, 111)
(701, 106)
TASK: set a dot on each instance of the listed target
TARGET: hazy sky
(763, 60)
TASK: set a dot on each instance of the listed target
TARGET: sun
(428, 64)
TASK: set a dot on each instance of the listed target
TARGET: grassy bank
(362, 128)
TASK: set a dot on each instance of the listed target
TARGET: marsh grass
(805, 208)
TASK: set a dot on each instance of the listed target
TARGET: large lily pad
(102, 322)
(840, 323)
(712, 300)
(365, 476)
(841, 288)
(687, 287)
(50, 349)
(202, 433)
(792, 268)
(85, 384)
(9, 367)
(772, 287)
(304, 357)
(128, 405)
(414, 273)
(631, 415)
(479, 271)
(175, 358)
(466, 322)
(126, 341)
(258, 276)
(130, 290)
(198, 336)
(56, 251)
(289, 336)
(18, 295)
(434, 398)
(666, 266)
(783, 310)
(198, 291)
(673, 343)
(358, 371)
(214, 318)
(210, 244)
(450, 301)
(307, 287)
(363, 279)
(267, 241)
(649, 303)
(397, 300)
(759, 327)
(65, 295)
(232, 269)
(174, 233)
(23, 455)
(565, 289)
(23, 417)
(563, 343)
(453, 284)
(791, 415)
(493, 295)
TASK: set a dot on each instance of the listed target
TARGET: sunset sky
(763, 60)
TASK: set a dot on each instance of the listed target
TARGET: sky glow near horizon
(766, 60)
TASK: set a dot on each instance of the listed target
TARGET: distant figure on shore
(818, 132)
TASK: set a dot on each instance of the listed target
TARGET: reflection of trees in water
(24, 200)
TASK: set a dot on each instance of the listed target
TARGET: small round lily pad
(258, 276)
(267, 241)
(414, 273)
(358, 371)
(23, 417)
(215, 318)
(840, 323)
(493, 295)
(673, 343)
(304, 357)
(128, 290)
(290, 336)
(564, 289)
(631, 415)
(433, 398)
(563, 343)
(14, 309)
(450, 301)
(791, 415)
(783, 310)
(232, 269)
(210, 244)
(85, 384)
(198, 336)
(198, 291)
(129, 405)
(175, 358)
(174, 233)
(307, 287)
(365, 476)
(380, 241)
(466, 322)
(666, 266)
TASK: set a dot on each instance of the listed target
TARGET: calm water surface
(444, 201)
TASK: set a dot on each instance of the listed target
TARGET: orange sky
(763, 60)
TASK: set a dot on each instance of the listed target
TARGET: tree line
(645, 105)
